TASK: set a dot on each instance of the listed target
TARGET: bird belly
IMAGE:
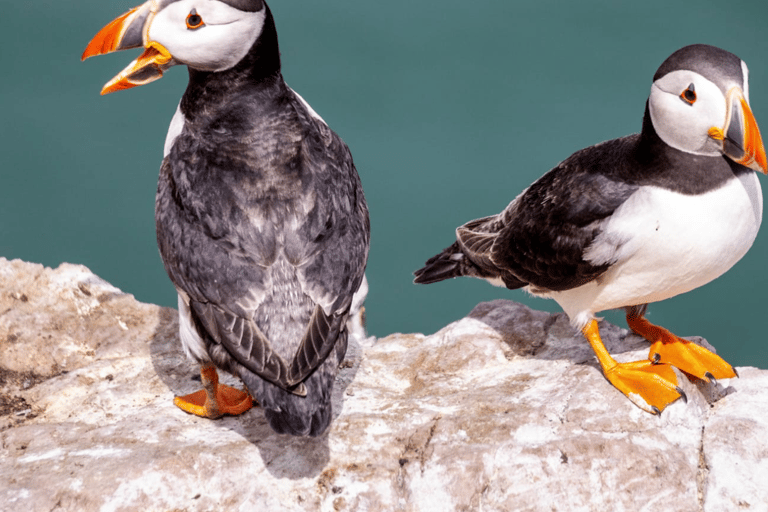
(662, 243)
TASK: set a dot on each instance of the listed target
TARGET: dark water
(450, 108)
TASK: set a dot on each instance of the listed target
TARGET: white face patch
(686, 126)
(221, 42)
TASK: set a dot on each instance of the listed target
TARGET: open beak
(130, 31)
(741, 136)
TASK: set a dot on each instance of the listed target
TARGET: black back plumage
(541, 237)
(262, 223)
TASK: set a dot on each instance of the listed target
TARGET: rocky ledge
(503, 410)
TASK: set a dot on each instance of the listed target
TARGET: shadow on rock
(548, 336)
(283, 456)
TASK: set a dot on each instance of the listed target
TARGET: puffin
(635, 220)
(261, 220)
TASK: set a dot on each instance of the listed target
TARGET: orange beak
(131, 31)
(741, 138)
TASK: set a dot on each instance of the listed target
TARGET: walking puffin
(635, 220)
(261, 221)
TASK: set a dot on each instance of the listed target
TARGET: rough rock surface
(503, 410)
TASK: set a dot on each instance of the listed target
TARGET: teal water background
(450, 109)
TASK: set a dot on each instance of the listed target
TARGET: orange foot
(650, 386)
(214, 400)
(687, 356)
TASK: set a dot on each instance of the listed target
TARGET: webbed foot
(214, 400)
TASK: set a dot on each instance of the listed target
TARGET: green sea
(450, 109)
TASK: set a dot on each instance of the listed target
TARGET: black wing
(543, 234)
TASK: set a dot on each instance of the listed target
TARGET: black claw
(710, 377)
(682, 394)
(655, 410)
(734, 371)
(656, 358)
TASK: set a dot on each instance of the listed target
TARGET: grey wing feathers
(317, 343)
(476, 239)
(243, 339)
(222, 238)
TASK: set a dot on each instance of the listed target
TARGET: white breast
(664, 244)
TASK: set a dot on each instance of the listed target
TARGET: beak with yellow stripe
(130, 31)
(205, 35)
(740, 136)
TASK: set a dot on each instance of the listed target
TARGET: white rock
(503, 410)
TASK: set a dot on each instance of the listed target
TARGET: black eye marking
(689, 95)
(194, 20)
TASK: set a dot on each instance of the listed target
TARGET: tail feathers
(448, 264)
(290, 414)
(299, 424)
(309, 415)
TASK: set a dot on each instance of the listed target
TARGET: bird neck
(257, 74)
(650, 144)
(667, 167)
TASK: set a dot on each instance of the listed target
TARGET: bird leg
(215, 399)
(682, 354)
(649, 386)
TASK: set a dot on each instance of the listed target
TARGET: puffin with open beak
(261, 220)
(635, 220)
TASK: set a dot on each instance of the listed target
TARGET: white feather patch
(745, 84)
(193, 345)
(664, 244)
(309, 109)
(496, 281)
(174, 130)
(684, 126)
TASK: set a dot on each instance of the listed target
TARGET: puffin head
(699, 104)
(205, 35)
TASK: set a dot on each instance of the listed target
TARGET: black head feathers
(246, 5)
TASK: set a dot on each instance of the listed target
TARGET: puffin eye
(689, 95)
(194, 20)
